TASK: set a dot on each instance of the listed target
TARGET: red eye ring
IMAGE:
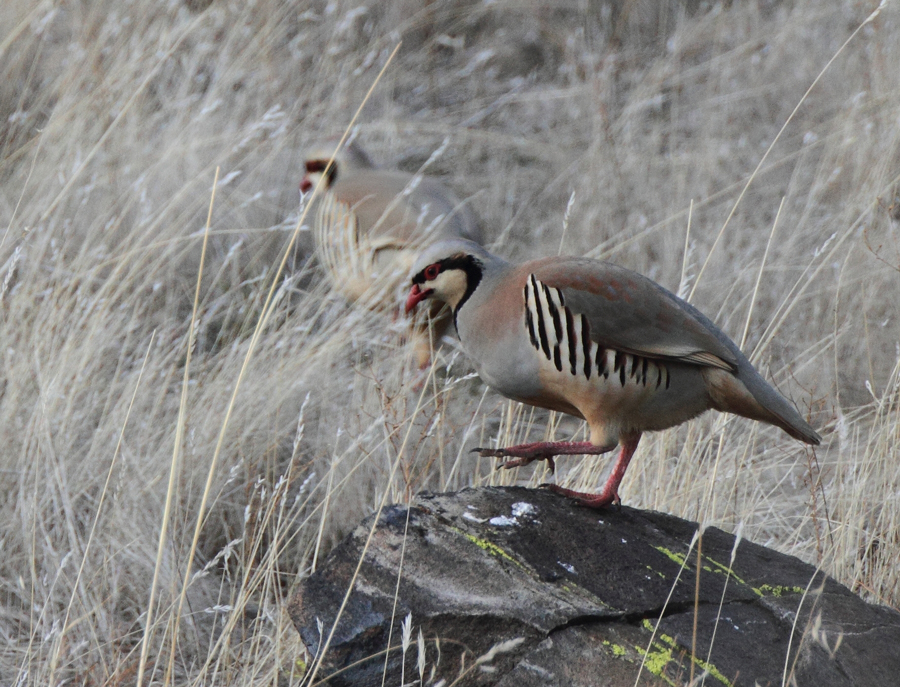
(432, 271)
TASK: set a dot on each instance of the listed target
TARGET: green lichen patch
(656, 659)
(616, 649)
(676, 558)
(711, 565)
(777, 590)
(489, 546)
(666, 644)
(656, 572)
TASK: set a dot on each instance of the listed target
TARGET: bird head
(448, 271)
(314, 171)
(349, 157)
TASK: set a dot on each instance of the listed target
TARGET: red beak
(415, 295)
(305, 184)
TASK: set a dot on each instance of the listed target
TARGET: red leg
(541, 450)
(610, 493)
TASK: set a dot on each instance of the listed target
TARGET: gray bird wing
(630, 313)
(377, 200)
(396, 204)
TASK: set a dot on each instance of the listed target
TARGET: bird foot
(522, 455)
(608, 497)
(518, 462)
(541, 450)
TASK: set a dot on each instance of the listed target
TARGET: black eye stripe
(469, 264)
(318, 167)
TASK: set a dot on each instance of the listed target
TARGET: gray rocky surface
(516, 587)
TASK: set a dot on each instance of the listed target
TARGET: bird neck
(474, 270)
(332, 174)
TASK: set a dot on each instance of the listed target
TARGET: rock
(516, 587)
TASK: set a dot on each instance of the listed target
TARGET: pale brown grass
(113, 119)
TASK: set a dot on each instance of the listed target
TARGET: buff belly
(624, 393)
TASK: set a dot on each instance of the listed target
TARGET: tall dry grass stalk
(608, 131)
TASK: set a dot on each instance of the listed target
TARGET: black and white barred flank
(564, 339)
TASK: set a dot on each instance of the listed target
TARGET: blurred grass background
(645, 119)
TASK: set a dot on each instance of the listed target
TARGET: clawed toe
(597, 501)
(527, 460)
(517, 463)
(600, 501)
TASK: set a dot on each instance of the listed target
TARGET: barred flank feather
(337, 243)
(570, 347)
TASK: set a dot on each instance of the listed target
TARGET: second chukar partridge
(596, 341)
(370, 224)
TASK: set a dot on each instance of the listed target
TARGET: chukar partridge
(596, 341)
(370, 224)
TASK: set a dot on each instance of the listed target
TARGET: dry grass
(113, 119)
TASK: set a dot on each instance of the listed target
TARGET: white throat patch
(449, 286)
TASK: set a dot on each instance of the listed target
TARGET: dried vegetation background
(623, 130)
